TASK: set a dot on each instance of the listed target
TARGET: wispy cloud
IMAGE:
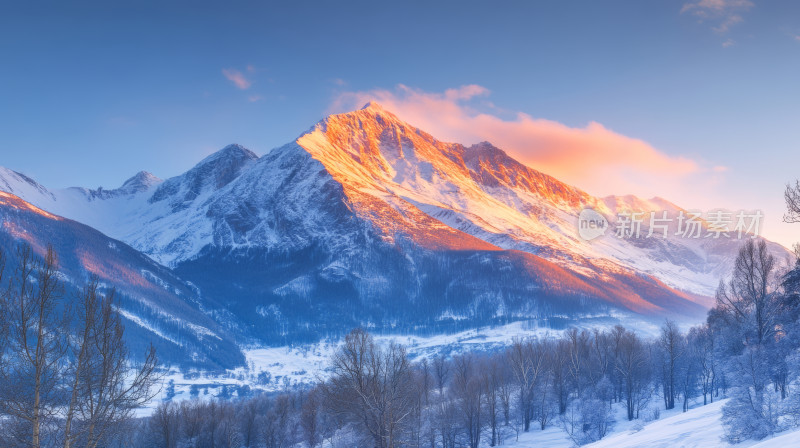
(593, 157)
(237, 78)
(726, 25)
(722, 14)
(254, 98)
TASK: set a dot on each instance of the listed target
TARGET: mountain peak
(212, 173)
(372, 105)
(141, 181)
(19, 184)
(232, 151)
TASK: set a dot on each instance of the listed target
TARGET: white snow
(699, 427)
(786, 440)
(147, 326)
(374, 154)
(386, 160)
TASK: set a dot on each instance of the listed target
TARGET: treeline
(377, 397)
(65, 376)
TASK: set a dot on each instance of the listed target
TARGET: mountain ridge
(155, 304)
(364, 211)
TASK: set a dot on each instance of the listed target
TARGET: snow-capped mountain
(158, 307)
(367, 220)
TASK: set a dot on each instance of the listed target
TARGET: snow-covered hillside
(699, 427)
(157, 306)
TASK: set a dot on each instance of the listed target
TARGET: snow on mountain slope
(439, 187)
(366, 209)
(158, 307)
(164, 219)
(484, 192)
(23, 186)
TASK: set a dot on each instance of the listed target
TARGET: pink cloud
(726, 13)
(592, 157)
(237, 78)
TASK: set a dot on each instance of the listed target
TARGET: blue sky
(91, 93)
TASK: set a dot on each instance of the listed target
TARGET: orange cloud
(592, 157)
(237, 78)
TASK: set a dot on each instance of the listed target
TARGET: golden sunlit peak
(372, 105)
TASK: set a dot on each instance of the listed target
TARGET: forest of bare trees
(376, 396)
(65, 374)
(78, 388)
(67, 380)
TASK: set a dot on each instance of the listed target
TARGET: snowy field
(273, 369)
(278, 368)
(700, 427)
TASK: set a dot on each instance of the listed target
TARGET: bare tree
(631, 366)
(602, 356)
(371, 388)
(491, 379)
(228, 428)
(504, 390)
(30, 381)
(247, 418)
(528, 363)
(467, 392)
(191, 413)
(88, 304)
(309, 419)
(702, 340)
(163, 425)
(748, 295)
(425, 379)
(276, 432)
(559, 362)
(671, 348)
(792, 197)
(421, 393)
(579, 345)
(106, 387)
(446, 415)
(441, 370)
